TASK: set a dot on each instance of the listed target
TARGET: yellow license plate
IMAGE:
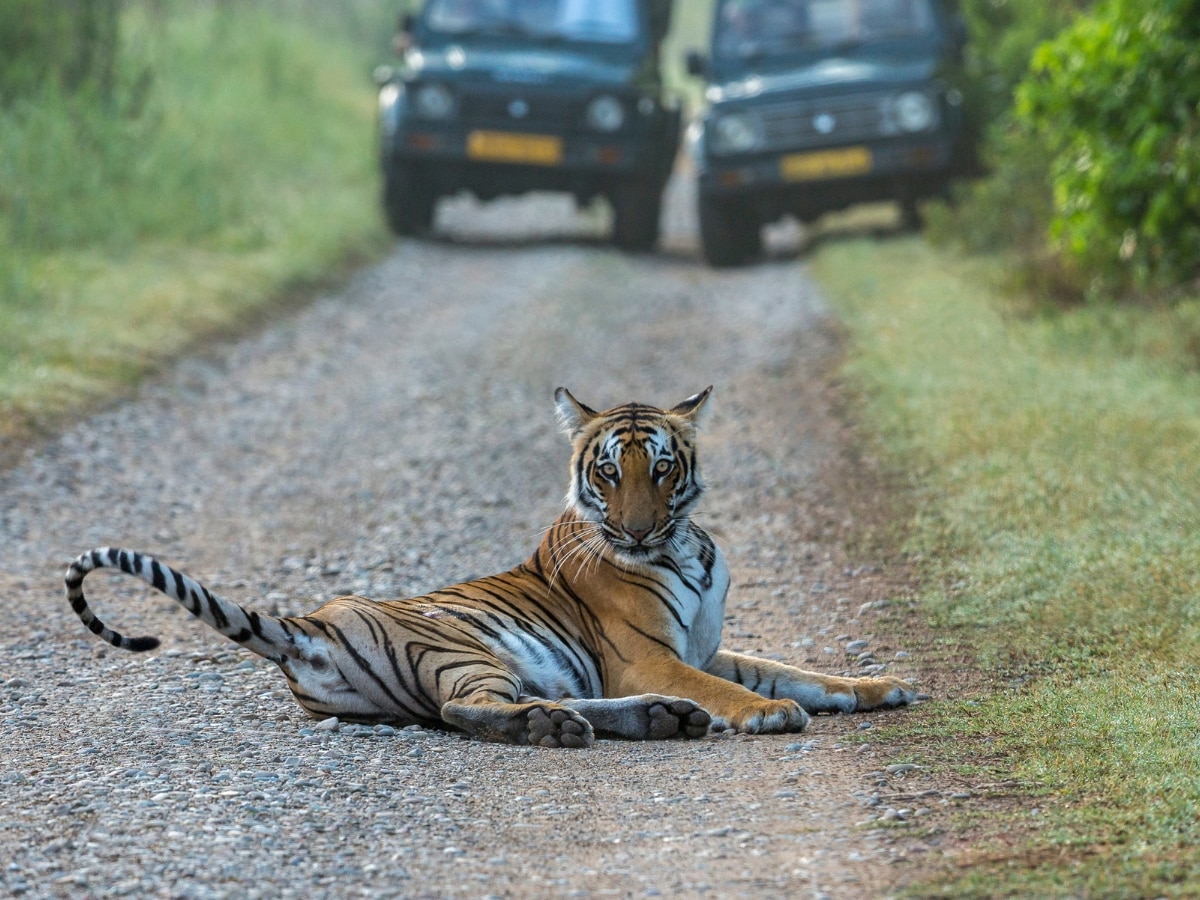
(826, 164)
(502, 146)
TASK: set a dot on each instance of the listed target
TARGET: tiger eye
(608, 470)
(663, 467)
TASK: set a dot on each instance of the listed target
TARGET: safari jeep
(502, 97)
(816, 105)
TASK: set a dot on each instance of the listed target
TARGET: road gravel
(393, 437)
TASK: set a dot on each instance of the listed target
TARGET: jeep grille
(835, 120)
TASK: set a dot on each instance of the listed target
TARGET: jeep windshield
(787, 32)
(608, 22)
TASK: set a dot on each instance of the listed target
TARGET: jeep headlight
(433, 101)
(915, 111)
(606, 113)
(738, 132)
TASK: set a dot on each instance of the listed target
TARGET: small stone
(330, 724)
(902, 654)
(901, 768)
(856, 646)
(801, 747)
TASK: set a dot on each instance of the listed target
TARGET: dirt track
(394, 438)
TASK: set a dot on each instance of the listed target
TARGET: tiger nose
(638, 534)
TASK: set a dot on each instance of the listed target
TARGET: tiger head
(633, 472)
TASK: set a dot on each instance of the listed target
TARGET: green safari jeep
(815, 105)
(501, 97)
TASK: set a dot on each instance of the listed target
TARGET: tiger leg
(813, 691)
(490, 707)
(730, 705)
(646, 717)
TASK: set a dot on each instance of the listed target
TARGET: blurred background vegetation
(1089, 119)
(169, 169)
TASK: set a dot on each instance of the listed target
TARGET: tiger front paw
(766, 717)
(672, 717)
(886, 692)
(557, 726)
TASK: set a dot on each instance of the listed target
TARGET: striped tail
(265, 635)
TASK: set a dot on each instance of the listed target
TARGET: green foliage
(1011, 207)
(206, 104)
(232, 158)
(67, 44)
(1116, 98)
(1004, 35)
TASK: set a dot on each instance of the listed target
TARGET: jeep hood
(526, 66)
(836, 75)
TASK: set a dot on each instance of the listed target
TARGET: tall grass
(232, 157)
(1052, 459)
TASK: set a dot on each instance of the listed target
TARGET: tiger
(611, 629)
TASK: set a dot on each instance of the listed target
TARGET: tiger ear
(693, 408)
(573, 416)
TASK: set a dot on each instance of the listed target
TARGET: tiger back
(612, 627)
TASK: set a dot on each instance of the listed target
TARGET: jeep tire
(729, 236)
(407, 205)
(637, 209)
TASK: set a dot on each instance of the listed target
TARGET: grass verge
(233, 165)
(1050, 457)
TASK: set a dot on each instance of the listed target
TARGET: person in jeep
(816, 105)
(507, 96)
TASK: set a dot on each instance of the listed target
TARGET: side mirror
(696, 63)
(403, 38)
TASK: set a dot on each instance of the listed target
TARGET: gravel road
(387, 440)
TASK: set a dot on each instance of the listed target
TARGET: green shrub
(1004, 36)
(1116, 98)
(66, 43)
(1011, 206)
(207, 105)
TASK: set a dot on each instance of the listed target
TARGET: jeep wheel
(637, 208)
(728, 236)
(911, 218)
(407, 206)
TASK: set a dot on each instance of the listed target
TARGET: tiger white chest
(703, 594)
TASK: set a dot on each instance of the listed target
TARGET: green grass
(1051, 460)
(233, 164)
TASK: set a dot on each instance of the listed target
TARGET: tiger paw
(672, 717)
(886, 692)
(557, 726)
(768, 717)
